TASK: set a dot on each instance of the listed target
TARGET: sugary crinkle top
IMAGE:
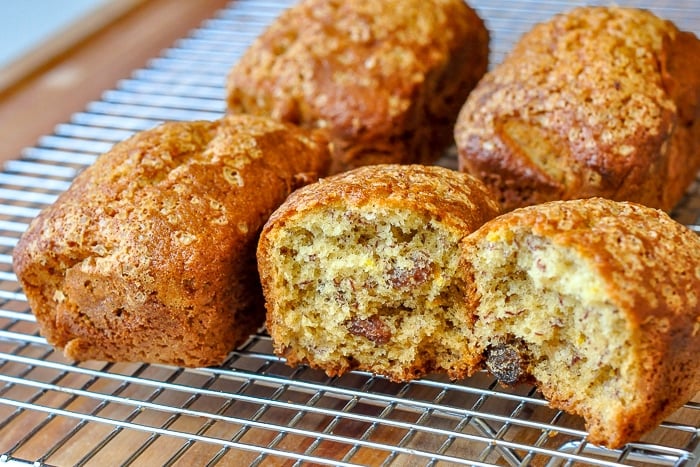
(454, 198)
(650, 262)
(172, 197)
(319, 47)
(593, 74)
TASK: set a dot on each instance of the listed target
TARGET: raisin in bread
(595, 301)
(358, 271)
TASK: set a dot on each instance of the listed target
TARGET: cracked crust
(596, 102)
(385, 82)
(150, 254)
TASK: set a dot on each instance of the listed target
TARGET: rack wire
(254, 409)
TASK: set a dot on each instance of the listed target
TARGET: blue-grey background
(26, 24)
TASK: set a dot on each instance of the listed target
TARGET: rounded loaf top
(650, 262)
(457, 198)
(386, 81)
(150, 254)
(598, 101)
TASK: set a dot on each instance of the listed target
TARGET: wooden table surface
(50, 84)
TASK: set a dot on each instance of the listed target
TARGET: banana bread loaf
(150, 254)
(596, 102)
(385, 80)
(595, 301)
(358, 270)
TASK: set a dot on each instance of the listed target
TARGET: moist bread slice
(150, 254)
(599, 101)
(386, 80)
(358, 271)
(597, 302)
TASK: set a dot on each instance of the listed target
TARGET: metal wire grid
(254, 409)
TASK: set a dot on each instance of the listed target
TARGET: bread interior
(544, 314)
(372, 288)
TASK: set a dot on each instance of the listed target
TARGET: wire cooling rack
(254, 410)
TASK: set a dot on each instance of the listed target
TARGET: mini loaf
(150, 254)
(595, 301)
(358, 271)
(385, 80)
(596, 102)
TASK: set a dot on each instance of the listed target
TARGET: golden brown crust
(456, 199)
(149, 255)
(443, 199)
(386, 82)
(596, 102)
(650, 265)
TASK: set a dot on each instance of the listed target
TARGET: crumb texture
(600, 101)
(385, 82)
(150, 254)
(359, 271)
(595, 301)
